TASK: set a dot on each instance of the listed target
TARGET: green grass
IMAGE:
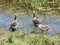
(23, 38)
(40, 6)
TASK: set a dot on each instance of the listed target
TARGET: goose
(44, 27)
(35, 19)
(14, 24)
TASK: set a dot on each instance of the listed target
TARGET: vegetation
(17, 6)
(23, 38)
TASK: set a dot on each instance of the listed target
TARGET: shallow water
(26, 24)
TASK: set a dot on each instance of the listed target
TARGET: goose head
(15, 17)
(33, 13)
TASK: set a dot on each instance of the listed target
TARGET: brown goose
(14, 24)
(35, 19)
(44, 27)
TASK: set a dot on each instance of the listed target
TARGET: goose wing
(14, 24)
(45, 27)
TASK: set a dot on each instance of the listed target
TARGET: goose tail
(51, 29)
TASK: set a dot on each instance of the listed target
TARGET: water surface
(26, 24)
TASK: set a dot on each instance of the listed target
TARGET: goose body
(35, 21)
(14, 24)
(44, 27)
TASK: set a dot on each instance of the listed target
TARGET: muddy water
(26, 24)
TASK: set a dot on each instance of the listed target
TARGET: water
(26, 24)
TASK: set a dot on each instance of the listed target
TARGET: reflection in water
(25, 22)
(35, 30)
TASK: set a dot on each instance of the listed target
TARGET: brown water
(26, 24)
